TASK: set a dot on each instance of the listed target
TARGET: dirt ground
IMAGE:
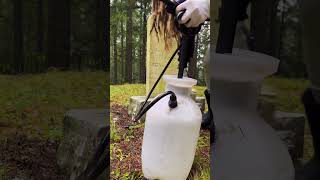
(29, 159)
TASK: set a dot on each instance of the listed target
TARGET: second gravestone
(157, 57)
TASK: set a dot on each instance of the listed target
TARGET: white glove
(197, 11)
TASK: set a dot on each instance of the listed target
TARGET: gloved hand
(197, 11)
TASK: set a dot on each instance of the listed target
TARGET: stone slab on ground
(82, 129)
(136, 102)
(267, 91)
(291, 128)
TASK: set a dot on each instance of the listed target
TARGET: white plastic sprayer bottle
(245, 147)
(171, 134)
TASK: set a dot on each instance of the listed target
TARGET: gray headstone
(83, 130)
(136, 103)
(293, 124)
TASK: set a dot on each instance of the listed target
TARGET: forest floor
(31, 114)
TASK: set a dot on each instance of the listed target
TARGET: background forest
(274, 29)
(39, 34)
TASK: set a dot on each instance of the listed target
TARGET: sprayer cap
(242, 65)
(179, 82)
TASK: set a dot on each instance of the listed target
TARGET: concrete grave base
(290, 128)
(83, 130)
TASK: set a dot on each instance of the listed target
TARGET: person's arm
(197, 11)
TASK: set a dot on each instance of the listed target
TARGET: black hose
(156, 83)
(172, 103)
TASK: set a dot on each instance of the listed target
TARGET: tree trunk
(122, 69)
(134, 65)
(144, 44)
(106, 36)
(59, 34)
(262, 22)
(115, 56)
(40, 33)
(129, 42)
(18, 61)
(99, 34)
(192, 69)
(100, 45)
(140, 40)
(115, 49)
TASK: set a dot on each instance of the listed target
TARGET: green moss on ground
(288, 93)
(35, 104)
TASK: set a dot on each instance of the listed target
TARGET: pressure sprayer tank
(245, 147)
(171, 134)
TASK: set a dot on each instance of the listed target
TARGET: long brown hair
(163, 22)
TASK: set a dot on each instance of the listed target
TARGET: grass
(120, 94)
(288, 92)
(35, 104)
(2, 172)
(114, 135)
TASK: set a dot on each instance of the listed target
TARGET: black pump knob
(173, 103)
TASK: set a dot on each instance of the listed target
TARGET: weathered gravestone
(83, 130)
(157, 57)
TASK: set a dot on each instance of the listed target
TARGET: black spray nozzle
(186, 53)
(231, 12)
(170, 6)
